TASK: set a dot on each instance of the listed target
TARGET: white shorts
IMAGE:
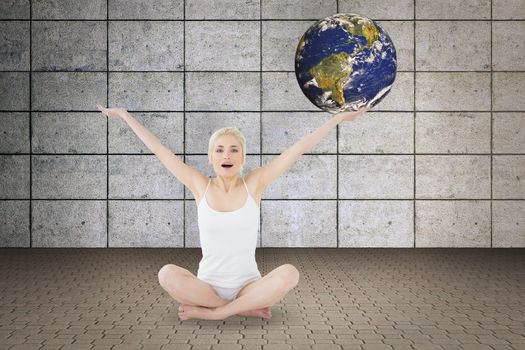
(231, 293)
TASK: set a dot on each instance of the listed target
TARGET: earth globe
(344, 62)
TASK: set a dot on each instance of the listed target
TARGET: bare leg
(262, 294)
(187, 289)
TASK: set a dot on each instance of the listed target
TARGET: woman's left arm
(274, 169)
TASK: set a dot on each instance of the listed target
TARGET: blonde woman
(228, 281)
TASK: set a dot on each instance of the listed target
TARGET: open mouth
(227, 165)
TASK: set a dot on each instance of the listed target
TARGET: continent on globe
(344, 62)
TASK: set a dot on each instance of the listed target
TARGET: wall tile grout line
(267, 111)
(184, 118)
(491, 125)
(263, 20)
(260, 112)
(107, 124)
(269, 199)
(488, 71)
(30, 131)
(272, 154)
(414, 126)
(337, 175)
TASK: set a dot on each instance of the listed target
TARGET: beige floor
(346, 299)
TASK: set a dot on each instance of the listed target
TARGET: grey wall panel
(438, 163)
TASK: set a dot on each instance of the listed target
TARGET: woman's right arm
(183, 172)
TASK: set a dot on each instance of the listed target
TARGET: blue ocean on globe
(344, 62)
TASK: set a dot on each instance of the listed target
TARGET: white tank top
(228, 241)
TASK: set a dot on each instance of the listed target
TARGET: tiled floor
(346, 299)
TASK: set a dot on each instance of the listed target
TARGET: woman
(228, 281)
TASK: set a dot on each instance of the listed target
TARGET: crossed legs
(199, 300)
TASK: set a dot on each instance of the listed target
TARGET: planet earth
(344, 62)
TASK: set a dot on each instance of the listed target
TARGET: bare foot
(264, 313)
(187, 312)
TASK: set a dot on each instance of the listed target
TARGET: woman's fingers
(103, 110)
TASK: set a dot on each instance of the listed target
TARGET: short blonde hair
(229, 130)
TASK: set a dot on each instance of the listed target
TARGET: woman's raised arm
(183, 172)
(271, 171)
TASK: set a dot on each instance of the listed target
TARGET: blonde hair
(229, 130)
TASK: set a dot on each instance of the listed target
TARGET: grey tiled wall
(440, 162)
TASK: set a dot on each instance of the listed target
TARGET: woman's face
(227, 150)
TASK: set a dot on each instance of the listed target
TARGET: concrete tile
(150, 91)
(401, 96)
(200, 127)
(467, 46)
(146, 45)
(469, 91)
(68, 223)
(508, 224)
(311, 176)
(508, 132)
(460, 224)
(14, 45)
(142, 177)
(508, 9)
(68, 45)
(462, 132)
(14, 225)
(153, 9)
(297, 9)
(377, 9)
(507, 91)
(14, 176)
(223, 9)
(59, 132)
(69, 176)
(281, 91)
(69, 9)
(200, 162)
(366, 224)
(280, 131)
(299, 224)
(376, 176)
(14, 89)
(402, 34)
(279, 43)
(167, 127)
(222, 91)
(453, 177)
(450, 9)
(508, 49)
(14, 128)
(215, 45)
(14, 9)
(67, 90)
(145, 224)
(509, 177)
(378, 132)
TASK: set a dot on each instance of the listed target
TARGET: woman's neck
(226, 184)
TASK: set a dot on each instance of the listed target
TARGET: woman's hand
(351, 116)
(111, 112)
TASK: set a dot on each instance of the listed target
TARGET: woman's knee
(290, 275)
(170, 275)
